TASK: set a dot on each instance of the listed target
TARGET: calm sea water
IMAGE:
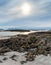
(7, 33)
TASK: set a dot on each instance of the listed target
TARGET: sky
(25, 14)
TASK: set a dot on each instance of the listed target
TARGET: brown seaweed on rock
(36, 43)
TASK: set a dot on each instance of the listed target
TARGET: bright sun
(26, 9)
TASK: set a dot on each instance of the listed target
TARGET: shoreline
(14, 33)
(35, 47)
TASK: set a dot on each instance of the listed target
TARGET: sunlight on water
(8, 33)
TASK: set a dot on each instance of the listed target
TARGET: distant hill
(14, 29)
(1, 29)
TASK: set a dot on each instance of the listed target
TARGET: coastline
(14, 33)
(26, 48)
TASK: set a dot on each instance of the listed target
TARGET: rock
(22, 62)
(3, 50)
(50, 52)
(30, 56)
(5, 58)
(14, 57)
(1, 61)
(39, 42)
(22, 49)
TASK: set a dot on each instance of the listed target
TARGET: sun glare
(26, 9)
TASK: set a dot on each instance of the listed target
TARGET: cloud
(11, 9)
(29, 25)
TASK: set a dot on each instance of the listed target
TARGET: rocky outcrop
(34, 43)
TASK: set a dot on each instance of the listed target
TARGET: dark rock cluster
(34, 43)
